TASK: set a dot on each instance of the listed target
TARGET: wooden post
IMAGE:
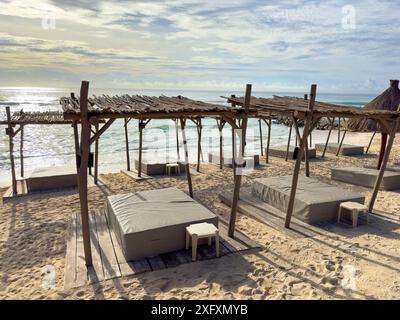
(341, 143)
(128, 160)
(370, 142)
(221, 125)
(331, 122)
(338, 138)
(10, 132)
(268, 140)
(177, 140)
(96, 156)
(382, 150)
(187, 167)
(141, 127)
(76, 139)
(238, 177)
(288, 142)
(383, 166)
(199, 130)
(303, 142)
(306, 159)
(261, 137)
(21, 150)
(83, 171)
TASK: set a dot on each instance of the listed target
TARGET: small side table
(355, 208)
(175, 166)
(199, 231)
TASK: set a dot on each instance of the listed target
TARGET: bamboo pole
(141, 127)
(177, 140)
(383, 166)
(329, 135)
(268, 140)
(128, 159)
(261, 137)
(370, 142)
(10, 132)
(21, 151)
(303, 143)
(187, 166)
(288, 142)
(83, 171)
(341, 143)
(238, 177)
(76, 139)
(199, 131)
(96, 156)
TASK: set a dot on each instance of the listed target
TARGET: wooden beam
(303, 142)
(288, 142)
(221, 123)
(238, 177)
(199, 131)
(383, 166)
(83, 171)
(21, 151)
(370, 142)
(189, 177)
(128, 160)
(177, 139)
(76, 139)
(102, 130)
(338, 139)
(331, 122)
(141, 128)
(96, 156)
(268, 140)
(341, 143)
(11, 146)
(261, 137)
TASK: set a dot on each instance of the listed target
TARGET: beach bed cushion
(315, 201)
(280, 152)
(152, 168)
(366, 177)
(251, 160)
(52, 178)
(149, 223)
(346, 150)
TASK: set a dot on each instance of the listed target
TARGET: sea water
(53, 145)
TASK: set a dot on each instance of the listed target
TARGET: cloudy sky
(342, 46)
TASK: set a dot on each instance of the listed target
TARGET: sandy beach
(33, 235)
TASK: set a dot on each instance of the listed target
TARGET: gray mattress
(280, 152)
(52, 178)
(149, 223)
(315, 201)
(213, 157)
(346, 150)
(153, 168)
(366, 177)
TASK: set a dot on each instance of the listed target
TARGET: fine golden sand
(33, 235)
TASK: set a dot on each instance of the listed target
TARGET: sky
(342, 46)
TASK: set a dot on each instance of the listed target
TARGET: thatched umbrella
(388, 100)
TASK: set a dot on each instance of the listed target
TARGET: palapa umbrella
(388, 100)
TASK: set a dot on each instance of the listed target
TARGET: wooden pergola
(16, 123)
(311, 111)
(90, 111)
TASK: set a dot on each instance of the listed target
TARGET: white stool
(355, 209)
(199, 231)
(175, 166)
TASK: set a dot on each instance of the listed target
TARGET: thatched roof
(136, 106)
(388, 100)
(25, 118)
(299, 108)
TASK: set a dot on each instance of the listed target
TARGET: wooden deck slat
(70, 256)
(134, 175)
(127, 268)
(22, 190)
(108, 258)
(96, 273)
(81, 271)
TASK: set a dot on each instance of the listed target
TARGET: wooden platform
(22, 190)
(134, 175)
(109, 261)
(263, 212)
